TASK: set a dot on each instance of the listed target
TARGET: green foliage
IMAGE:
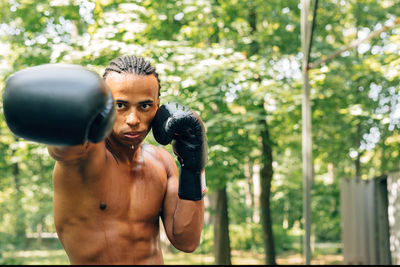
(248, 237)
(207, 240)
(211, 58)
(286, 240)
(326, 211)
(11, 261)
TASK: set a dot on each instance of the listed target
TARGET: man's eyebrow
(146, 102)
(122, 101)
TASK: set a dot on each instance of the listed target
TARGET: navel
(103, 206)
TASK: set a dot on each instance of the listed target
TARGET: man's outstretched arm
(73, 153)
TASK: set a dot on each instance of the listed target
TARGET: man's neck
(125, 154)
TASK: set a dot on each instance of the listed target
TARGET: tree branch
(352, 44)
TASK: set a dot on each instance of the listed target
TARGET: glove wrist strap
(192, 184)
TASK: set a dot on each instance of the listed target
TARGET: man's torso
(111, 215)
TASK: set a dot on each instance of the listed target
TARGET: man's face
(136, 98)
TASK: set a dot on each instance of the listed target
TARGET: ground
(58, 257)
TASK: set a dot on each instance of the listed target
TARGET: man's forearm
(187, 224)
(68, 153)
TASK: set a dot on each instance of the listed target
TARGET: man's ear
(158, 102)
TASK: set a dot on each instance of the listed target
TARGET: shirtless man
(110, 189)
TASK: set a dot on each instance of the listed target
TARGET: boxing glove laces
(178, 124)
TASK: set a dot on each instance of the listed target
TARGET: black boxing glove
(58, 104)
(174, 122)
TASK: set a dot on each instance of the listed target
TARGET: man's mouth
(133, 135)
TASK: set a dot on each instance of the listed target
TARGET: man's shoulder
(159, 153)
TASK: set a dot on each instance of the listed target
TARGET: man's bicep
(171, 195)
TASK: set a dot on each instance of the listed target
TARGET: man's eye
(120, 105)
(146, 106)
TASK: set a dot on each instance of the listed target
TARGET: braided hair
(132, 64)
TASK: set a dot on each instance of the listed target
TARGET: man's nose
(132, 119)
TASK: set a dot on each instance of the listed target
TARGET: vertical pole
(306, 133)
(307, 168)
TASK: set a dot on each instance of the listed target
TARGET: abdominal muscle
(115, 242)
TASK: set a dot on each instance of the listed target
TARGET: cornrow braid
(132, 64)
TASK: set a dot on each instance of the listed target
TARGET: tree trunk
(266, 160)
(356, 85)
(250, 185)
(265, 196)
(222, 247)
(20, 231)
(357, 162)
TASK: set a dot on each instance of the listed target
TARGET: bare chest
(117, 192)
(131, 192)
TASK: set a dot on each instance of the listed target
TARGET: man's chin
(126, 139)
(132, 140)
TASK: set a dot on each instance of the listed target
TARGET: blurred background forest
(238, 64)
